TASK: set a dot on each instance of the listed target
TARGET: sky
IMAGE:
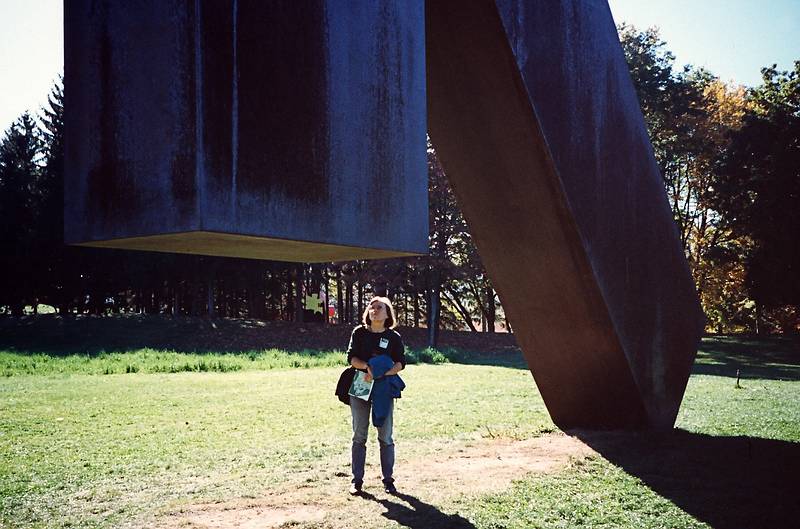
(731, 38)
(31, 55)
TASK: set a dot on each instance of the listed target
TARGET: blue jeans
(360, 409)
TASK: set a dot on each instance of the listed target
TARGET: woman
(376, 336)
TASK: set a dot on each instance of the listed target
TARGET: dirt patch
(491, 465)
(440, 473)
(244, 515)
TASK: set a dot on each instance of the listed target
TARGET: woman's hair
(391, 319)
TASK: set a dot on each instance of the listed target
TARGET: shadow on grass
(418, 515)
(91, 335)
(726, 482)
(754, 357)
(511, 359)
(773, 357)
(61, 337)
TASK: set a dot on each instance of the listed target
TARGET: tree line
(38, 270)
(730, 159)
(729, 156)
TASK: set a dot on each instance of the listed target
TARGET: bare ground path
(429, 482)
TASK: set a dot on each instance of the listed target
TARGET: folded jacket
(384, 389)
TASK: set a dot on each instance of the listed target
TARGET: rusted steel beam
(533, 114)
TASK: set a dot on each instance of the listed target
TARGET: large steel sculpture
(296, 131)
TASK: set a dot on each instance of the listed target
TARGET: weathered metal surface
(296, 131)
(282, 130)
(535, 119)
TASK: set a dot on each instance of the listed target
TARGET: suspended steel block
(534, 117)
(283, 130)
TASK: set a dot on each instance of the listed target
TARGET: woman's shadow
(419, 515)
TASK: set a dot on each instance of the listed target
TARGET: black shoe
(355, 488)
(389, 488)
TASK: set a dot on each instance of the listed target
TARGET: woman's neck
(376, 326)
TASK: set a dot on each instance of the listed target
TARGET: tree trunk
(260, 295)
(416, 309)
(339, 297)
(462, 310)
(433, 318)
(175, 302)
(210, 298)
(490, 313)
(326, 278)
(299, 301)
(349, 302)
(433, 310)
(220, 297)
(759, 325)
(360, 299)
(197, 289)
(269, 292)
(155, 301)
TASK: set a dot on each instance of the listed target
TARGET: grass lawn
(79, 448)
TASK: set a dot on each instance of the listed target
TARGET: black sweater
(364, 344)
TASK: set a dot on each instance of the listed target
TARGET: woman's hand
(396, 368)
(368, 377)
(358, 363)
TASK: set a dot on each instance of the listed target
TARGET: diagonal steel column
(534, 117)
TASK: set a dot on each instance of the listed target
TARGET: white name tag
(384, 343)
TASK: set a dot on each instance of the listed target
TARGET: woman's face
(377, 311)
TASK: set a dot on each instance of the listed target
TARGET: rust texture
(534, 117)
(296, 131)
(287, 121)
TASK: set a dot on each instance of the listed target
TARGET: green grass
(149, 360)
(729, 462)
(82, 450)
(654, 482)
(763, 408)
(96, 450)
(591, 493)
(159, 361)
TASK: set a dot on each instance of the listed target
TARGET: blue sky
(732, 38)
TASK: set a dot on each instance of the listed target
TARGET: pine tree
(54, 272)
(20, 156)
